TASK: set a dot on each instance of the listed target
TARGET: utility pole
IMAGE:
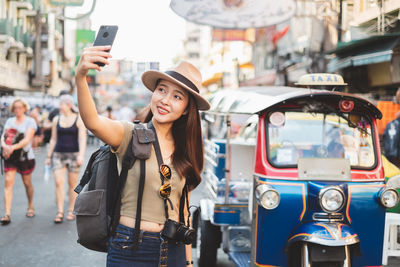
(339, 28)
(381, 18)
(38, 79)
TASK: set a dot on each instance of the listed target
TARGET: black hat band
(182, 79)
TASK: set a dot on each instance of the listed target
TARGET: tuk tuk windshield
(294, 135)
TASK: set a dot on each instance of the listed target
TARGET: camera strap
(157, 149)
(184, 201)
(185, 190)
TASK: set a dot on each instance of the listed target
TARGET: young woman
(66, 153)
(16, 143)
(174, 114)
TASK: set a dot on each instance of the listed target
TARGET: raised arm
(109, 131)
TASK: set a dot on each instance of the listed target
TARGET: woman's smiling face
(168, 102)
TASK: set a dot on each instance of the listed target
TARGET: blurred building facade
(368, 49)
(32, 45)
(219, 54)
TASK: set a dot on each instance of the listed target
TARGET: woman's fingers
(100, 47)
(91, 65)
(90, 55)
(95, 58)
(93, 51)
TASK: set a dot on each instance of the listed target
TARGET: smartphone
(105, 36)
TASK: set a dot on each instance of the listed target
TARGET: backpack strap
(139, 204)
(88, 173)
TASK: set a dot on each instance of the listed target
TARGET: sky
(148, 30)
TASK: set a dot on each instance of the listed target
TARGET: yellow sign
(321, 79)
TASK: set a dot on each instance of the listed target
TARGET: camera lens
(105, 35)
(188, 236)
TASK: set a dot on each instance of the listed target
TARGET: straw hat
(185, 75)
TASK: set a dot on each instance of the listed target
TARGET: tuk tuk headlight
(389, 197)
(267, 196)
(331, 199)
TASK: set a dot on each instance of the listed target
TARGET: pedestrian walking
(109, 113)
(391, 140)
(66, 153)
(16, 143)
(174, 116)
(35, 113)
(125, 114)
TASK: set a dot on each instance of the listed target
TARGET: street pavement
(39, 242)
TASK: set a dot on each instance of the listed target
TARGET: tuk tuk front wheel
(208, 241)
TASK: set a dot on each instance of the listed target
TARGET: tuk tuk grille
(328, 217)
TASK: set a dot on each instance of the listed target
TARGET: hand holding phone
(105, 36)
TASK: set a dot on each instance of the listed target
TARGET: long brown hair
(188, 154)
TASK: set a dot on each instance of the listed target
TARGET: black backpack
(97, 206)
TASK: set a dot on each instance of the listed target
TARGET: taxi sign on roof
(321, 79)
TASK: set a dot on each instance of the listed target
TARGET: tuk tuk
(293, 177)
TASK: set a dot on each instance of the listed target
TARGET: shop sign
(83, 38)
(228, 35)
(265, 33)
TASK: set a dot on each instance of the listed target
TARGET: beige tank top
(152, 203)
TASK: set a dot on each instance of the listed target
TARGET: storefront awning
(217, 77)
(372, 50)
(247, 65)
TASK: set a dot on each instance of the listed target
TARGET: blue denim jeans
(121, 254)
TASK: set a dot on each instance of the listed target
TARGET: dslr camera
(178, 232)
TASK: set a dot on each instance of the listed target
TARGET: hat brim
(150, 78)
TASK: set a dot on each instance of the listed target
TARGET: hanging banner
(235, 14)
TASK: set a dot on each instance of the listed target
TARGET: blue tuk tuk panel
(219, 170)
(228, 214)
(367, 217)
(274, 226)
(296, 219)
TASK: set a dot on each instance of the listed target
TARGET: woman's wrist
(189, 263)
